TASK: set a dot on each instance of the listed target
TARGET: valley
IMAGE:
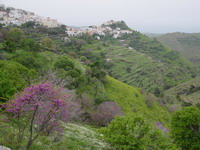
(97, 87)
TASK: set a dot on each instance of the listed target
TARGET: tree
(64, 63)
(15, 35)
(13, 39)
(83, 58)
(47, 42)
(134, 133)
(97, 70)
(39, 109)
(186, 128)
(66, 69)
(30, 45)
(10, 46)
(29, 60)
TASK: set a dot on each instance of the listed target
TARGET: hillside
(77, 78)
(102, 87)
(176, 68)
(132, 101)
(187, 93)
(140, 70)
(187, 44)
(142, 62)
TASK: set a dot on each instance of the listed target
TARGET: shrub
(64, 63)
(39, 110)
(105, 113)
(74, 73)
(73, 54)
(133, 132)
(150, 99)
(30, 45)
(66, 69)
(10, 46)
(13, 78)
(47, 42)
(15, 35)
(186, 128)
(29, 60)
(83, 58)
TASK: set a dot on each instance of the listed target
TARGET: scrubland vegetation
(88, 94)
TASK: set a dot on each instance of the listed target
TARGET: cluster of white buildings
(72, 31)
(97, 30)
(9, 15)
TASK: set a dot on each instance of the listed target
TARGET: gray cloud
(143, 15)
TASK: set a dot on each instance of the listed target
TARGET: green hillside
(187, 44)
(146, 64)
(187, 93)
(141, 70)
(132, 101)
(57, 93)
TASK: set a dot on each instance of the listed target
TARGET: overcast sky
(155, 16)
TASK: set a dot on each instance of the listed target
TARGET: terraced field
(185, 93)
(140, 70)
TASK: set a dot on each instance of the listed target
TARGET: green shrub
(30, 45)
(15, 35)
(83, 58)
(10, 46)
(64, 63)
(133, 132)
(13, 77)
(186, 128)
(47, 42)
(74, 73)
(28, 60)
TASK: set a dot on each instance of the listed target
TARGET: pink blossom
(45, 103)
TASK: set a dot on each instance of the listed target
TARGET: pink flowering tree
(40, 109)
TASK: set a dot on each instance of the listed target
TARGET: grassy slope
(132, 101)
(187, 44)
(75, 137)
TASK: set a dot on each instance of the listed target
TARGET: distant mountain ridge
(152, 35)
(187, 44)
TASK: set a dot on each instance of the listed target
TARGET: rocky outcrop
(4, 148)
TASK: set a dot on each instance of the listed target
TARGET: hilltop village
(99, 30)
(12, 16)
